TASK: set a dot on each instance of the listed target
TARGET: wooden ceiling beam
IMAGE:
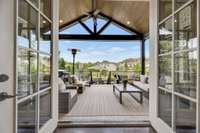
(121, 25)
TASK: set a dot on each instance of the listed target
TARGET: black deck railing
(102, 77)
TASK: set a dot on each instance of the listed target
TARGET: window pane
(165, 106)
(186, 28)
(45, 71)
(185, 121)
(165, 78)
(27, 26)
(179, 3)
(45, 7)
(165, 37)
(27, 72)
(27, 114)
(45, 107)
(35, 2)
(45, 41)
(165, 8)
(186, 73)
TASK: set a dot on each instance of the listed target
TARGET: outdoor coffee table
(130, 90)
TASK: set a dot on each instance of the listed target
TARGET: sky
(93, 51)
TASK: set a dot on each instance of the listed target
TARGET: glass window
(179, 3)
(165, 37)
(27, 26)
(45, 71)
(165, 76)
(186, 28)
(45, 7)
(165, 8)
(27, 114)
(35, 2)
(165, 106)
(185, 121)
(186, 73)
(45, 35)
(27, 72)
(45, 107)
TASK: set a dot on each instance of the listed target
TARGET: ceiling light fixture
(128, 22)
(61, 21)
(43, 21)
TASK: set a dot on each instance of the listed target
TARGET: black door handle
(3, 77)
(4, 96)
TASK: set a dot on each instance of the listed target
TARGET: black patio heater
(74, 51)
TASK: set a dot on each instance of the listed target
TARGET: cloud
(116, 49)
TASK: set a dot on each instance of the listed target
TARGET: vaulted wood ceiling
(132, 13)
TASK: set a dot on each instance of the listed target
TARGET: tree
(62, 63)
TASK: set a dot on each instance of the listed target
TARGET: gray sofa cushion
(141, 85)
(67, 99)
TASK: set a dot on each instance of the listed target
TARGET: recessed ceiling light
(61, 21)
(128, 22)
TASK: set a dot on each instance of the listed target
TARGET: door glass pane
(27, 26)
(186, 73)
(185, 121)
(45, 71)
(27, 72)
(35, 2)
(179, 3)
(45, 107)
(165, 8)
(45, 7)
(45, 35)
(165, 37)
(27, 114)
(186, 28)
(165, 78)
(165, 106)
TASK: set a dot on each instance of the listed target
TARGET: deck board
(99, 100)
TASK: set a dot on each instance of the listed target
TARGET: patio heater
(74, 51)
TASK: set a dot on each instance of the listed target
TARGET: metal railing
(102, 77)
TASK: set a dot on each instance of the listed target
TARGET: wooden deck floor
(99, 100)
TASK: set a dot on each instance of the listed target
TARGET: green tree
(62, 63)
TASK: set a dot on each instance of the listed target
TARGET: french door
(35, 66)
(174, 98)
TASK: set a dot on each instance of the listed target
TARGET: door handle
(3, 77)
(4, 96)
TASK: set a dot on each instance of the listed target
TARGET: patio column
(143, 56)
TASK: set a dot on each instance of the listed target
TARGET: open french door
(36, 65)
(174, 65)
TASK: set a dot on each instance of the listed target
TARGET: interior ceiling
(132, 13)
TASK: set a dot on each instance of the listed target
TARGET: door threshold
(104, 121)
